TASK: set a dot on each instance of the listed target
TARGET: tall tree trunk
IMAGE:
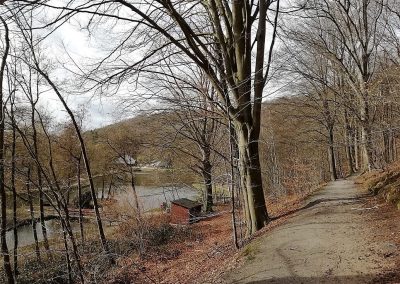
(63, 205)
(132, 174)
(356, 148)
(232, 180)
(3, 232)
(348, 139)
(331, 155)
(79, 198)
(39, 174)
(42, 218)
(366, 148)
(13, 189)
(207, 179)
(32, 212)
(339, 168)
(250, 179)
(349, 157)
(110, 187)
(386, 146)
(67, 258)
(103, 188)
(68, 228)
(85, 157)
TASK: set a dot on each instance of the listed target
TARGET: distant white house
(159, 164)
(127, 160)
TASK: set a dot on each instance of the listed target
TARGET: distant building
(127, 160)
(160, 164)
(185, 211)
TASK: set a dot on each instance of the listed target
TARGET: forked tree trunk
(251, 180)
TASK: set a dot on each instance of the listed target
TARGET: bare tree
(3, 231)
(12, 90)
(25, 28)
(227, 41)
(194, 121)
(356, 28)
(29, 84)
(125, 147)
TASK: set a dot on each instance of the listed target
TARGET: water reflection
(25, 233)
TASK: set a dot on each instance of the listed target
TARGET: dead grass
(383, 183)
(384, 220)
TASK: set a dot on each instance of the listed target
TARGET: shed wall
(179, 214)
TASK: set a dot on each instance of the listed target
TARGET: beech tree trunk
(207, 179)
(331, 155)
(206, 172)
(348, 139)
(366, 148)
(251, 180)
(356, 149)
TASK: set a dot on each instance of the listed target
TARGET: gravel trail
(326, 242)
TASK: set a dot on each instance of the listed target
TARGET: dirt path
(327, 242)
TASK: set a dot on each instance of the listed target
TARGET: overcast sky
(82, 48)
(98, 111)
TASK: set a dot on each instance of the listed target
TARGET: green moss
(250, 251)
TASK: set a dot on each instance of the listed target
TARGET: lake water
(150, 197)
(25, 233)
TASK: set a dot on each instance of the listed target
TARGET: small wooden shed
(184, 211)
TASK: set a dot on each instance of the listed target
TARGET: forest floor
(341, 235)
